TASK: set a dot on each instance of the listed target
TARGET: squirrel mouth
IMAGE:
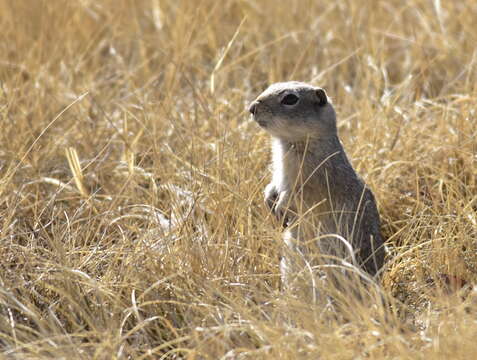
(261, 123)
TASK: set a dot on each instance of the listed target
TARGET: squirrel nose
(253, 107)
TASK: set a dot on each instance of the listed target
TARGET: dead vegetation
(131, 177)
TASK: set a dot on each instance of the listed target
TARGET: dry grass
(132, 223)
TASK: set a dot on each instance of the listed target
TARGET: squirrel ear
(321, 95)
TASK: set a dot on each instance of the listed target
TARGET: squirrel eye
(290, 99)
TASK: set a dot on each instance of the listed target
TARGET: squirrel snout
(253, 107)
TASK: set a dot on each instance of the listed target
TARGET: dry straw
(149, 239)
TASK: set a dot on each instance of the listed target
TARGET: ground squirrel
(315, 191)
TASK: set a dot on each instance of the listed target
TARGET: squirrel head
(294, 111)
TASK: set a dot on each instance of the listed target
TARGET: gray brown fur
(315, 191)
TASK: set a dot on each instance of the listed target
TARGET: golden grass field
(131, 177)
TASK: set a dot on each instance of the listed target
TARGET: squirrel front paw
(278, 204)
(271, 197)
